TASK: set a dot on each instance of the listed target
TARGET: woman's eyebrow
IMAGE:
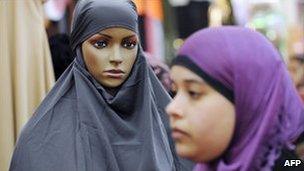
(193, 81)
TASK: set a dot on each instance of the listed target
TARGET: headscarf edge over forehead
(266, 101)
(91, 16)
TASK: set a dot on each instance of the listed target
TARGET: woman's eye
(100, 44)
(129, 44)
(194, 95)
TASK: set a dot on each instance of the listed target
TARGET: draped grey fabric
(79, 126)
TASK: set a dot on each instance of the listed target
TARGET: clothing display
(82, 125)
(26, 72)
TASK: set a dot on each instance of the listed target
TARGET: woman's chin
(187, 152)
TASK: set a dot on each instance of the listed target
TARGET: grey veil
(79, 126)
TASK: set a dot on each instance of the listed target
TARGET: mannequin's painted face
(202, 120)
(110, 54)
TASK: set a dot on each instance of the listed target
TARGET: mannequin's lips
(114, 73)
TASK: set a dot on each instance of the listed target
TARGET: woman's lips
(178, 134)
(114, 73)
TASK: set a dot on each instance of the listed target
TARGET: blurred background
(34, 45)
(166, 23)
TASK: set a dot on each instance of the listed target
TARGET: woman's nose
(175, 108)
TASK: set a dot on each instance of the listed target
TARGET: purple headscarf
(269, 113)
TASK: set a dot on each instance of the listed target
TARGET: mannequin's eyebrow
(109, 37)
(131, 36)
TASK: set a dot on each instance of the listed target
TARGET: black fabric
(142, 33)
(62, 55)
(287, 155)
(186, 62)
(192, 17)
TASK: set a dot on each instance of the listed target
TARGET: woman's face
(202, 120)
(110, 54)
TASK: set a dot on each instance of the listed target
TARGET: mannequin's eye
(100, 44)
(129, 44)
